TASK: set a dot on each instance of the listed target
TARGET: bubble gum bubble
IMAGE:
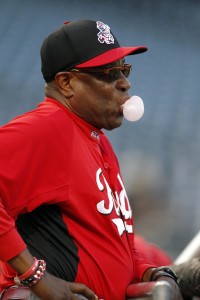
(133, 109)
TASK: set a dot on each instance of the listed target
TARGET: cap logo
(104, 35)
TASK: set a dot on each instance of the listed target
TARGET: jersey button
(106, 165)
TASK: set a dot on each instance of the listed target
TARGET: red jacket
(50, 156)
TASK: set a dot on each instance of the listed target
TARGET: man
(66, 224)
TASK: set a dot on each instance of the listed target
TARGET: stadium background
(160, 154)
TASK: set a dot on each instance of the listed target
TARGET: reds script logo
(104, 35)
(119, 203)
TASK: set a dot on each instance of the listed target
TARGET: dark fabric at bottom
(47, 237)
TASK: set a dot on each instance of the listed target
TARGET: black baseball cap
(81, 44)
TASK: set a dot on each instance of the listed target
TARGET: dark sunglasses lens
(114, 74)
(126, 71)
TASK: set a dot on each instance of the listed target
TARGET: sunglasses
(108, 74)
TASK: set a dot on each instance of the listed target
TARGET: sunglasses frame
(105, 71)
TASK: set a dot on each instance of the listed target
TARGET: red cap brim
(111, 56)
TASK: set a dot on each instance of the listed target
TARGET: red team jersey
(60, 182)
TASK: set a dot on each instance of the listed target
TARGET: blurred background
(160, 154)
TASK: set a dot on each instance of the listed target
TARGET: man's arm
(159, 275)
(14, 251)
(49, 287)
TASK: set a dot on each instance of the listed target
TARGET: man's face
(98, 99)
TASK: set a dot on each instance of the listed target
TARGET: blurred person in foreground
(66, 226)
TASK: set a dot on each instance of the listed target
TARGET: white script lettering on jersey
(118, 202)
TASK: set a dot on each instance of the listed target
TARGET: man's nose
(123, 84)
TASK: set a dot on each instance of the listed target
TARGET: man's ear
(64, 82)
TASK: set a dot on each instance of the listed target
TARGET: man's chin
(114, 125)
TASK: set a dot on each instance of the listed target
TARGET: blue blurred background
(159, 155)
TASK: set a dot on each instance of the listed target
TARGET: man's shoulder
(43, 122)
(44, 115)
